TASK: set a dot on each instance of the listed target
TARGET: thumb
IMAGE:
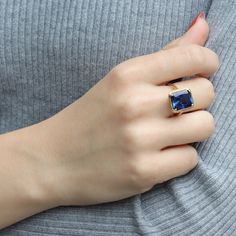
(197, 33)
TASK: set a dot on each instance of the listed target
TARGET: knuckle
(208, 86)
(210, 58)
(201, 56)
(215, 59)
(118, 79)
(130, 138)
(194, 53)
(209, 124)
(124, 71)
(125, 103)
(126, 107)
(192, 159)
(139, 174)
(119, 72)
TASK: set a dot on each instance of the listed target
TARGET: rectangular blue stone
(181, 99)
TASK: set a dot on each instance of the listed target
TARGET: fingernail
(200, 15)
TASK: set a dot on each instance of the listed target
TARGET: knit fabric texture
(53, 51)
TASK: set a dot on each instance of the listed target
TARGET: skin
(118, 140)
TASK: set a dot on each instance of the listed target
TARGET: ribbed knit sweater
(53, 51)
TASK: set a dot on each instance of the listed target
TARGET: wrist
(30, 180)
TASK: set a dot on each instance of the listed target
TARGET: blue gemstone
(181, 99)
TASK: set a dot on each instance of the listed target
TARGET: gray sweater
(53, 51)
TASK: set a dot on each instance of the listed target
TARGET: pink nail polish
(200, 15)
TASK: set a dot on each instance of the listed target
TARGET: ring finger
(202, 93)
(153, 101)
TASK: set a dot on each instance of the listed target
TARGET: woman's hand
(120, 138)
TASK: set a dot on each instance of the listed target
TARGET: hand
(120, 138)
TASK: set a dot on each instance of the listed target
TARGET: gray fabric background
(53, 51)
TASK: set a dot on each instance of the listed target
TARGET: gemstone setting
(181, 99)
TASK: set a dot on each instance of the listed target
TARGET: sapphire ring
(180, 99)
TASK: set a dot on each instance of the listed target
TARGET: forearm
(22, 184)
(34, 176)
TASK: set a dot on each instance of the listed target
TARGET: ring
(180, 99)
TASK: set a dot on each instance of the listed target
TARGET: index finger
(166, 65)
